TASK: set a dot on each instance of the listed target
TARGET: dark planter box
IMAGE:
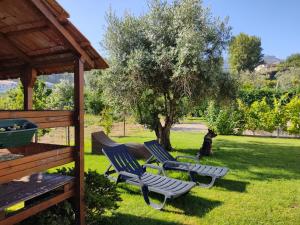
(18, 137)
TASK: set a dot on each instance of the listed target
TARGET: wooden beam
(23, 27)
(27, 31)
(28, 79)
(48, 51)
(62, 30)
(16, 50)
(79, 139)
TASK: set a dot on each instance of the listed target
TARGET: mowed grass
(262, 187)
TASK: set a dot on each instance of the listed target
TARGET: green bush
(107, 120)
(100, 196)
(224, 120)
(62, 213)
(248, 96)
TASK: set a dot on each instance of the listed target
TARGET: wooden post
(79, 139)
(2, 215)
(28, 79)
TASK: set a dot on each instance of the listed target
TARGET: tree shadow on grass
(127, 219)
(188, 204)
(271, 158)
(232, 185)
(192, 205)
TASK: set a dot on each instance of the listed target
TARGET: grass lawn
(262, 187)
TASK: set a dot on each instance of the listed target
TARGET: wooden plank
(13, 187)
(15, 169)
(10, 114)
(36, 157)
(47, 51)
(23, 27)
(27, 31)
(56, 124)
(43, 119)
(5, 179)
(79, 140)
(50, 119)
(30, 187)
(62, 30)
(15, 49)
(37, 208)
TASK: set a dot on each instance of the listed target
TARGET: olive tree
(165, 61)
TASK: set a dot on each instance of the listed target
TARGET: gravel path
(190, 127)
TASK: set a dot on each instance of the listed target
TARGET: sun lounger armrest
(174, 163)
(131, 175)
(159, 168)
(187, 157)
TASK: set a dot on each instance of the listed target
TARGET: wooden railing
(43, 119)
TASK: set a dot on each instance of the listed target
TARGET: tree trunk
(163, 135)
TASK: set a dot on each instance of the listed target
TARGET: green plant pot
(16, 132)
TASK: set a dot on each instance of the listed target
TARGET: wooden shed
(36, 38)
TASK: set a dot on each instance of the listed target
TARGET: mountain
(270, 59)
(6, 85)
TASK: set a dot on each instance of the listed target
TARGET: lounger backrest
(122, 160)
(158, 151)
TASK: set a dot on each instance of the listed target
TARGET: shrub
(62, 213)
(107, 120)
(249, 96)
(225, 120)
(100, 196)
(293, 115)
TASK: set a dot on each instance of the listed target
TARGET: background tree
(292, 61)
(94, 103)
(62, 97)
(14, 98)
(293, 115)
(164, 61)
(245, 53)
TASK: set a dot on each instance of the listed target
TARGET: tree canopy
(164, 61)
(245, 53)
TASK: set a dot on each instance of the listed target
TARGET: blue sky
(276, 22)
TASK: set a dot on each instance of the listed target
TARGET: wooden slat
(5, 179)
(47, 51)
(14, 29)
(29, 114)
(43, 119)
(30, 187)
(37, 208)
(56, 124)
(36, 157)
(15, 169)
(13, 47)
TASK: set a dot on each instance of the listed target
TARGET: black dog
(206, 149)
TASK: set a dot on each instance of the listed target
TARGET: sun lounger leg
(145, 193)
(209, 185)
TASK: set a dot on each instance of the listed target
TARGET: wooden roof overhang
(38, 34)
